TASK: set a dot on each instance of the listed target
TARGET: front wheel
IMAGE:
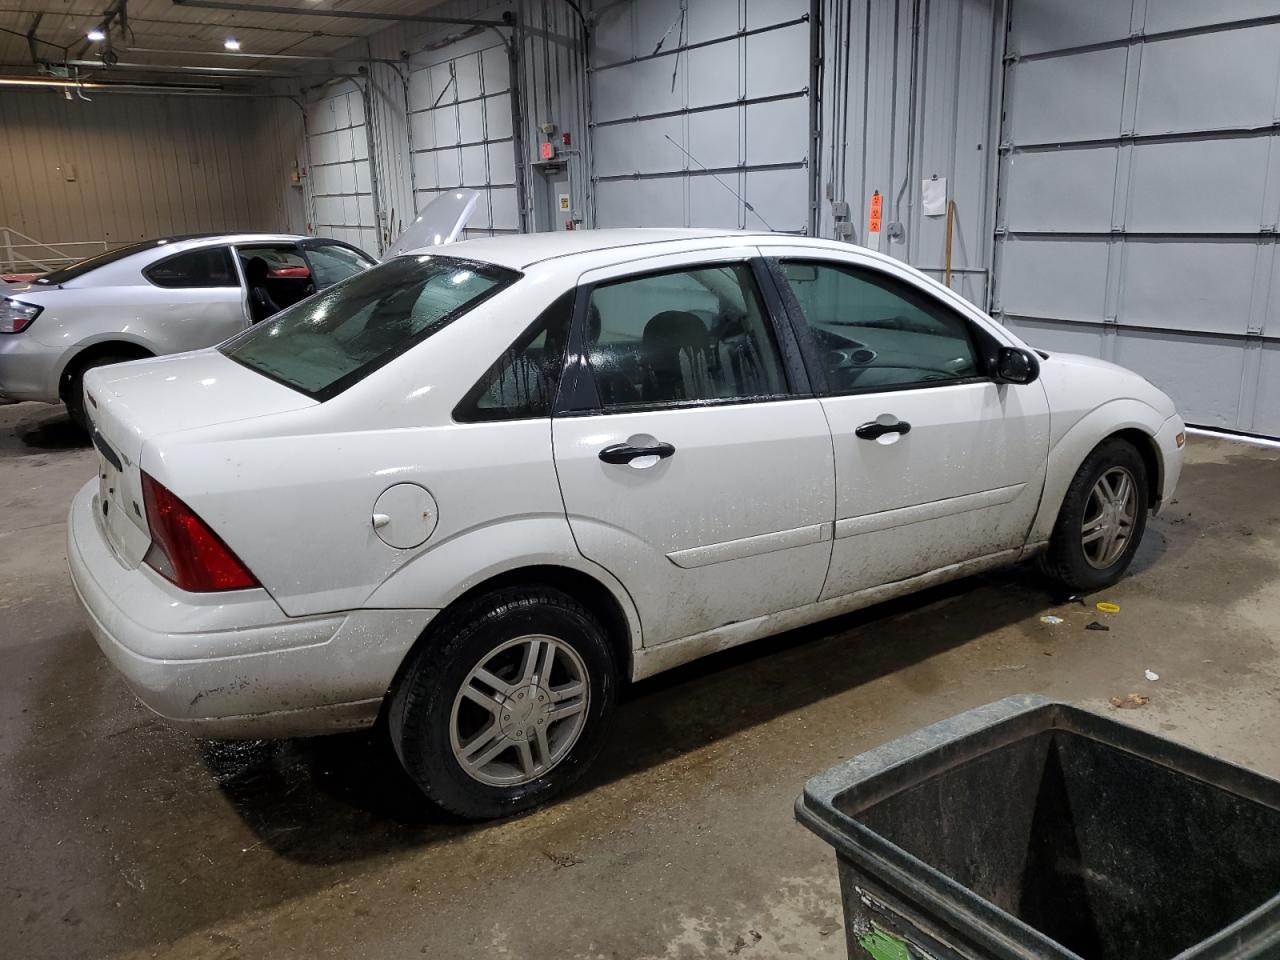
(507, 706)
(1102, 519)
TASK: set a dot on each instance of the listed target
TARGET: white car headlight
(16, 316)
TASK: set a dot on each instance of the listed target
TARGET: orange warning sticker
(877, 205)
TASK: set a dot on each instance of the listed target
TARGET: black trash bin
(1033, 829)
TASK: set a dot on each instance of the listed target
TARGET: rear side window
(89, 264)
(327, 342)
(522, 383)
(210, 267)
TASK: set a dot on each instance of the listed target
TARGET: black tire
(1065, 561)
(73, 390)
(420, 713)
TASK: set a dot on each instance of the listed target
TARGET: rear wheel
(73, 386)
(507, 707)
(1102, 519)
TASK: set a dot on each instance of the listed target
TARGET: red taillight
(184, 550)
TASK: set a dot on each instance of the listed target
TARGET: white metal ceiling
(164, 25)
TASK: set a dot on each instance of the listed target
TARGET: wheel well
(108, 348)
(584, 588)
(1146, 447)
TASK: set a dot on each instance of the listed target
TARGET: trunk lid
(441, 222)
(131, 403)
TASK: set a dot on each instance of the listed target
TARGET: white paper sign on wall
(933, 195)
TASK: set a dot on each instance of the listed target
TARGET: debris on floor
(1107, 607)
(742, 942)
(1072, 599)
(1051, 620)
(562, 860)
(1095, 625)
(1152, 675)
(1132, 702)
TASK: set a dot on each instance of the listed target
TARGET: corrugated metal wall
(460, 109)
(341, 173)
(879, 57)
(549, 87)
(1140, 195)
(123, 168)
(699, 110)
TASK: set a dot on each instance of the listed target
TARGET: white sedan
(475, 492)
(152, 298)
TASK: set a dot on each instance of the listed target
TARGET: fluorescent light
(231, 43)
(23, 82)
(96, 34)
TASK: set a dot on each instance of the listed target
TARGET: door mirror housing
(1015, 365)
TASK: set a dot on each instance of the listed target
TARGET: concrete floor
(122, 838)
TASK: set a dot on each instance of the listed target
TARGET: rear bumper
(27, 369)
(233, 665)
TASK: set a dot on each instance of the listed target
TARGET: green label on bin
(884, 946)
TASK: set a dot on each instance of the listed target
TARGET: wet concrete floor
(122, 838)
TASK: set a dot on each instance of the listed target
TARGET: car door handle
(625, 453)
(874, 429)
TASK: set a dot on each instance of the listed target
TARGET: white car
(474, 492)
(152, 298)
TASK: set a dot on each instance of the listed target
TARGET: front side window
(207, 267)
(326, 343)
(331, 262)
(522, 383)
(874, 331)
(700, 334)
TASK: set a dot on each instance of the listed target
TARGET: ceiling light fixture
(96, 34)
(231, 43)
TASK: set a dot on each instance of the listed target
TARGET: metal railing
(20, 253)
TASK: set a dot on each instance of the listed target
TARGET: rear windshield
(327, 342)
(81, 267)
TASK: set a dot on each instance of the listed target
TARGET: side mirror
(1014, 365)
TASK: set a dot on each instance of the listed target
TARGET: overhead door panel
(1139, 195)
(460, 111)
(341, 181)
(701, 114)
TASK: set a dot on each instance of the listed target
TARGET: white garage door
(460, 109)
(725, 80)
(341, 186)
(1140, 192)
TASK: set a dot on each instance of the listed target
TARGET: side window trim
(799, 327)
(579, 396)
(784, 331)
(811, 352)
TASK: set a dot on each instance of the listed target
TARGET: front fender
(489, 551)
(1090, 430)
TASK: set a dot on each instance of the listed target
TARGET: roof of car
(233, 238)
(522, 250)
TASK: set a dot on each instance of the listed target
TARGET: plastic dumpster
(1033, 829)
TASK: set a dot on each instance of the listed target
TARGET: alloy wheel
(519, 711)
(1109, 516)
